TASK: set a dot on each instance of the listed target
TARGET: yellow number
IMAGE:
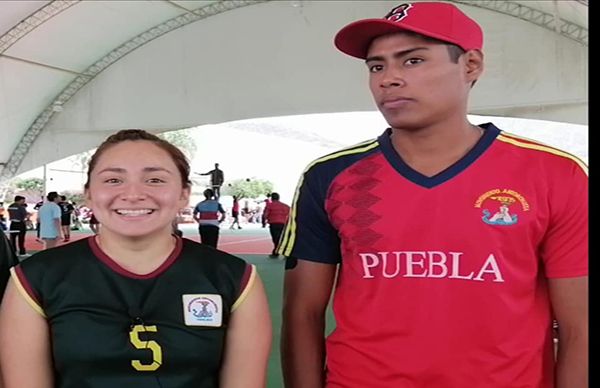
(134, 337)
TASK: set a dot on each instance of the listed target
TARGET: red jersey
(276, 212)
(443, 278)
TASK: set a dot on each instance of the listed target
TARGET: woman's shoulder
(63, 252)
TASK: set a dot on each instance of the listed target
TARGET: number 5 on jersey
(134, 337)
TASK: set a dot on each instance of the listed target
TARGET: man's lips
(395, 102)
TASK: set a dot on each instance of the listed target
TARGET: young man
(217, 177)
(37, 207)
(276, 215)
(66, 211)
(49, 216)
(454, 245)
(17, 215)
(209, 214)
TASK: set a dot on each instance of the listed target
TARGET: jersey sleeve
(565, 247)
(246, 284)
(309, 234)
(26, 289)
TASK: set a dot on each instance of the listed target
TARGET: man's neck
(433, 149)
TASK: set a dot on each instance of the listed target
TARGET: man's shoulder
(328, 166)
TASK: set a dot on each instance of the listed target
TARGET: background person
(94, 223)
(276, 215)
(431, 292)
(17, 215)
(162, 311)
(209, 214)
(3, 226)
(235, 213)
(50, 220)
(217, 177)
(66, 214)
(36, 208)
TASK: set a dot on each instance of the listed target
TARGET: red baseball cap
(442, 21)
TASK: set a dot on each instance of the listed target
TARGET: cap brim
(355, 38)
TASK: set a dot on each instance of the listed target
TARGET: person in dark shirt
(217, 177)
(17, 214)
(3, 226)
(66, 211)
(37, 207)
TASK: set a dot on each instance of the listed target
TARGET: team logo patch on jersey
(501, 206)
(203, 310)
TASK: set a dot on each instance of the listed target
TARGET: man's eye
(155, 180)
(375, 68)
(112, 180)
(413, 61)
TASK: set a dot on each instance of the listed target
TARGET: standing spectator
(235, 213)
(50, 220)
(66, 214)
(217, 177)
(17, 214)
(429, 288)
(267, 202)
(209, 214)
(3, 226)
(76, 216)
(135, 306)
(37, 207)
(276, 215)
(94, 223)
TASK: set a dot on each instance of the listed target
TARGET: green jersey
(111, 328)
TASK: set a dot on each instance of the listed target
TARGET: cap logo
(398, 13)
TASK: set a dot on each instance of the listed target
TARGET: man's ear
(473, 65)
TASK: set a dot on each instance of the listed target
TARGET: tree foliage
(247, 188)
(74, 196)
(182, 140)
(30, 184)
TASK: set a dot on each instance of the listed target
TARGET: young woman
(235, 213)
(135, 306)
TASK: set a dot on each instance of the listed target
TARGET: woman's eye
(155, 180)
(112, 180)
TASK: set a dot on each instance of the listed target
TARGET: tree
(248, 188)
(35, 185)
(74, 196)
(182, 140)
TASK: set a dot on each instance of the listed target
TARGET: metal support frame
(543, 19)
(546, 20)
(107, 60)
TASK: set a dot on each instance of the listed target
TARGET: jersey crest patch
(501, 206)
(203, 310)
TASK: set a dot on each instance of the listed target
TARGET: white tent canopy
(73, 71)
